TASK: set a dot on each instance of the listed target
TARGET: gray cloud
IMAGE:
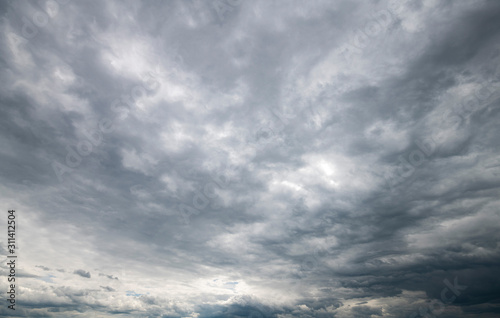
(252, 159)
(108, 276)
(82, 273)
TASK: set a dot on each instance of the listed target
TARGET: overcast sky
(255, 159)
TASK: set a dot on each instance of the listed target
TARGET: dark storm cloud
(237, 159)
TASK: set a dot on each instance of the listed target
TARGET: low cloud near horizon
(231, 158)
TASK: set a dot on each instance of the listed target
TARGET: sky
(229, 158)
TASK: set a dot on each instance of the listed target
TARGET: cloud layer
(252, 159)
